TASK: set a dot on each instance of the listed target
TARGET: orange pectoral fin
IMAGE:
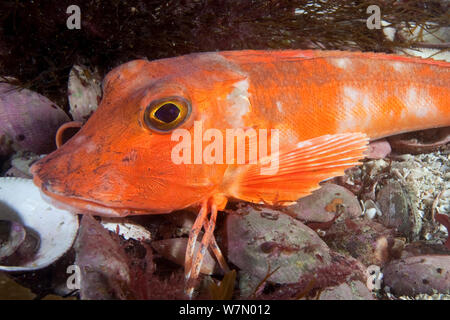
(288, 175)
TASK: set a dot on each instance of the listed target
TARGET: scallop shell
(28, 120)
(21, 202)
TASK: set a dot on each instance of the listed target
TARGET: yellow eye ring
(164, 115)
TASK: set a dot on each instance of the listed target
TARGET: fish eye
(164, 115)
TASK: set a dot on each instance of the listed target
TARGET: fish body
(143, 150)
(116, 166)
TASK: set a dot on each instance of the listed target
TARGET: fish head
(121, 161)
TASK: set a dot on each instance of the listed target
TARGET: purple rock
(378, 149)
(366, 240)
(419, 274)
(322, 204)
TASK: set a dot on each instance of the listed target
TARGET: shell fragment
(21, 202)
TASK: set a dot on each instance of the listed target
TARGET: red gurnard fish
(323, 106)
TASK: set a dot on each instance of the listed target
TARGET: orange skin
(116, 166)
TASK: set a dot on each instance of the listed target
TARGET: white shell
(371, 209)
(126, 228)
(84, 90)
(20, 201)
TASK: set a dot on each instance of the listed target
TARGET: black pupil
(167, 113)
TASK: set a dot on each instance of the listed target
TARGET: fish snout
(66, 171)
(47, 173)
(68, 182)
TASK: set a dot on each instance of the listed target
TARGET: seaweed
(37, 48)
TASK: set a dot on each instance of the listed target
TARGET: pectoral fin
(288, 175)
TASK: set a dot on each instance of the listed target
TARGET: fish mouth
(84, 206)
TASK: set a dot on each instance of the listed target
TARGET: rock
(248, 285)
(112, 268)
(261, 240)
(21, 163)
(105, 273)
(322, 204)
(420, 248)
(355, 290)
(366, 240)
(419, 181)
(371, 210)
(417, 275)
(343, 269)
(378, 149)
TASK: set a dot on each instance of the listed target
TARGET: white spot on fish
(352, 95)
(411, 95)
(240, 104)
(398, 66)
(342, 63)
(404, 114)
(417, 104)
(357, 107)
(90, 147)
(80, 139)
(279, 106)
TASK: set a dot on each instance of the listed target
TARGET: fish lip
(84, 206)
